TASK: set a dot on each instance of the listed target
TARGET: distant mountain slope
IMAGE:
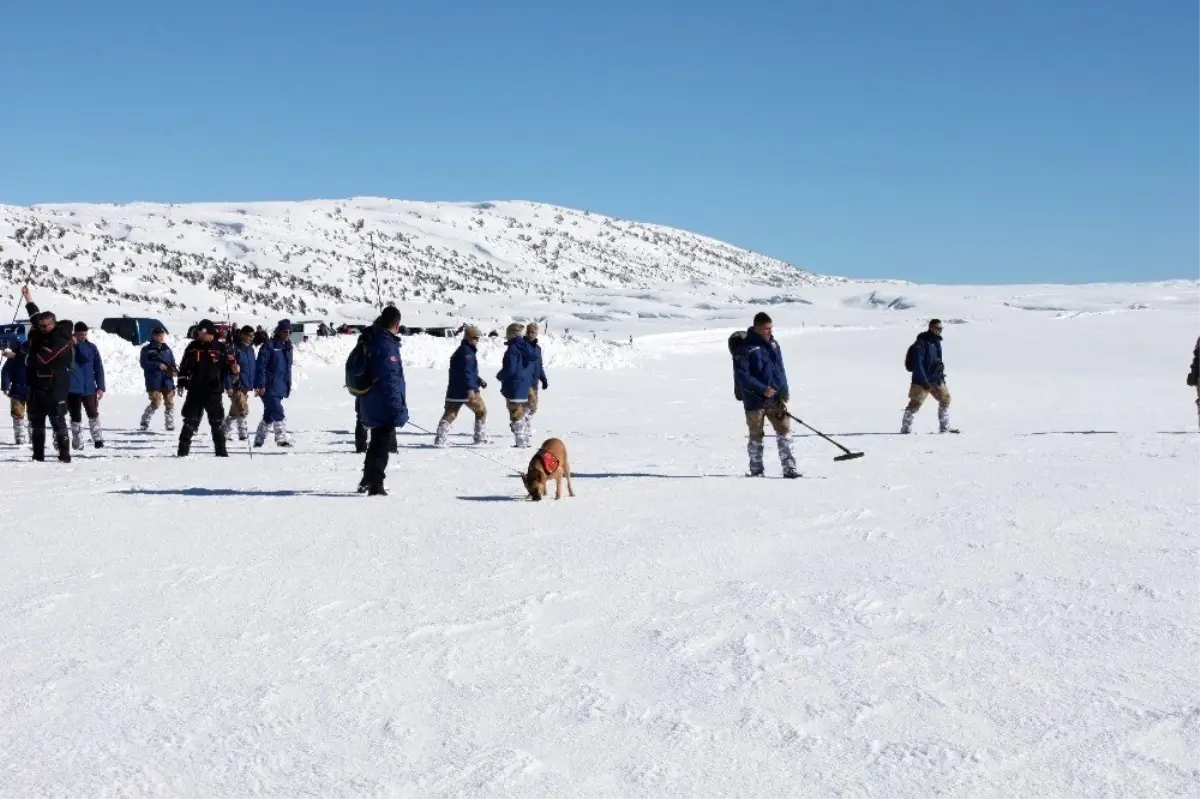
(328, 258)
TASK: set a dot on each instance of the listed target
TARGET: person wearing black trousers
(205, 372)
(48, 371)
(360, 432)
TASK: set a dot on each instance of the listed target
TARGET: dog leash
(504, 466)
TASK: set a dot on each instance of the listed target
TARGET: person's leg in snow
(91, 406)
(16, 409)
(360, 432)
(449, 414)
(376, 461)
(516, 422)
(75, 408)
(479, 408)
(754, 445)
(782, 423)
(531, 410)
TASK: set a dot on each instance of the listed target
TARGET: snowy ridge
(323, 258)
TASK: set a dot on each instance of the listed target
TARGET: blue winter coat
(386, 403)
(152, 356)
(757, 364)
(12, 375)
(88, 377)
(539, 370)
(929, 369)
(273, 370)
(247, 363)
(516, 373)
(464, 373)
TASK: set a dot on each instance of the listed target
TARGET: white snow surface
(1010, 611)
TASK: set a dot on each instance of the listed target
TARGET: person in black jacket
(48, 370)
(1194, 374)
(204, 373)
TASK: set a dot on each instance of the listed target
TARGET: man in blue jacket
(758, 370)
(539, 373)
(928, 378)
(241, 383)
(516, 379)
(15, 386)
(159, 369)
(464, 389)
(385, 406)
(273, 382)
(87, 389)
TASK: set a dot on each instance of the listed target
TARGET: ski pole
(847, 457)
(473, 452)
(32, 266)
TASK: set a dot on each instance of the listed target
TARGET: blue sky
(936, 141)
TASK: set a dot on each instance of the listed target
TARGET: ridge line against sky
(926, 141)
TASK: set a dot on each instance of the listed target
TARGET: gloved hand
(545, 384)
(1191, 379)
(482, 383)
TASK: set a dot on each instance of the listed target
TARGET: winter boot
(97, 432)
(64, 447)
(281, 436)
(18, 431)
(219, 442)
(169, 419)
(185, 441)
(529, 424)
(38, 438)
(443, 430)
(76, 435)
(786, 458)
(147, 415)
(944, 420)
(481, 436)
(376, 491)
(227, 426)
(755, 450)
(517, 427)
(243, 428)
(260, 435)
(906, 423)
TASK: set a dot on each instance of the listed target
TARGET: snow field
(1011, 611)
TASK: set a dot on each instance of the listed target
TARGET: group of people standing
(211, 369)
(57, 373)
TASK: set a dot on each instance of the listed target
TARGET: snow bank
(427, 352)
(122, 364)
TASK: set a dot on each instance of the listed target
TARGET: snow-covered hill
(335, 259)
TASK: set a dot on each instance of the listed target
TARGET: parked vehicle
(134, 329)
(351, 329)
(308, 328)
(13, 335)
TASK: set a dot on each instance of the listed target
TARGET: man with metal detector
(49, 365)
(761, 381)
(204, 372)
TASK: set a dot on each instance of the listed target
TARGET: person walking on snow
(759, 371)
(14, 384)
(49, 364)
(273, 383)
(924, 360)
(87, 389)
(464, 389)
(203, 376)
(158, 367)
(539, 375)
(1194, 375)
(385, 405)
(241, 384)
(516, 379)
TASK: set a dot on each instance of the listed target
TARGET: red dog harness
(549, 462)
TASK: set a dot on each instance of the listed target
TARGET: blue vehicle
(134, 329)
(13, 335)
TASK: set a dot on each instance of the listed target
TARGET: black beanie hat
(81, 327)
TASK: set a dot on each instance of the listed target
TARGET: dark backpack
(358, 377)
(735, 343)
(910, 357)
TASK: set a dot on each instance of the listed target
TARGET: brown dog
(549, 462)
